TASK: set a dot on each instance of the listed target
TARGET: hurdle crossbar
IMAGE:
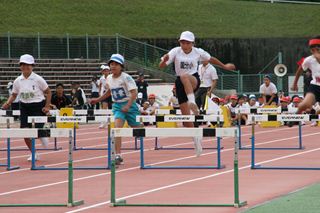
(34, 133)
(179, 132)
(180, 118)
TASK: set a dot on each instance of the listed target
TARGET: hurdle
(253, 111)
(97, 115)
(34, 133)
(161, 112)
(177, 132)
(67, 119)
(9, 167)
(175, 118)
(283, 117)
(17, 113)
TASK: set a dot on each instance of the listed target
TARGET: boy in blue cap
(123, 90)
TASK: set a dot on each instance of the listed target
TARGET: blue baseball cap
(116, 58)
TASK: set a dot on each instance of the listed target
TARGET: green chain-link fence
(101, 47)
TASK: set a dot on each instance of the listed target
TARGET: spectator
(15, 104)
(253, 101)
(269, 91)
(173, 101)
(107, 102)
(79, 98)
(140, 100)
(232, 108)
(59, 99)
(208, 81)
(142, 86)
(95, 91)
(153, 104)
(35, 97)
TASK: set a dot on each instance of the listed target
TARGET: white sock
(191, 98)
(45, 142)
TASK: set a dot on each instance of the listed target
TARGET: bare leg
(190, 83)
(28, 143)
(307, 102)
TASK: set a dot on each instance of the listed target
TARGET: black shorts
(314, 89)
(181, 94)
(31, 109)
(275, 99)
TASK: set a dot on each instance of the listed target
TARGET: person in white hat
(35, 96)
(15, 104)
(186, 58)
(106, 103)
(123, 90)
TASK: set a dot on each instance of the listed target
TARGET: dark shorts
(314, 89)
(31, 109)
(275, 99)
(181, 94)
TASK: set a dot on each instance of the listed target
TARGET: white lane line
(189, 181)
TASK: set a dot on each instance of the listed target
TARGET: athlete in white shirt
(35, 96)
(106, 103)
(313, 64)
(186, 58)
(123, 90)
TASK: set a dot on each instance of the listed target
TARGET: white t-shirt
(271, 89)
(187, 63)
(103, 83)
(94, 87)
(30, 89)
(312, 64)
(207, 74)
(120, 87)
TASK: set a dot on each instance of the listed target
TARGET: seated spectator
(232, 108)
(59, 99)
(173, 99)
(140, 99)
(241, 105)
(145, 108)
(153, 104)
(284, 102)
(253, 101)
(79, 98)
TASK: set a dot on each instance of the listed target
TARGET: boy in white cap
(35, 96)
(107, 103)
(186, 58)
(123, 90)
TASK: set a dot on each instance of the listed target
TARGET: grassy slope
(159, 18)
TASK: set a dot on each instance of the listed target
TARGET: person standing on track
(186, 58)
(123, 90)
(106, 103)
(35, 97)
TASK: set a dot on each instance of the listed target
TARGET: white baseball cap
(187, 36)
(104, 67)
(26, 59)
(117, 58)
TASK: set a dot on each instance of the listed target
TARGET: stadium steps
(63, 71)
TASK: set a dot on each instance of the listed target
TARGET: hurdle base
(35, 205)
(284, 168)
(236, 205)
(75, 203)
(40, 149)
(66, 168)
(13, 168)
(185, 148)
(273, 148)
(183, 167)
